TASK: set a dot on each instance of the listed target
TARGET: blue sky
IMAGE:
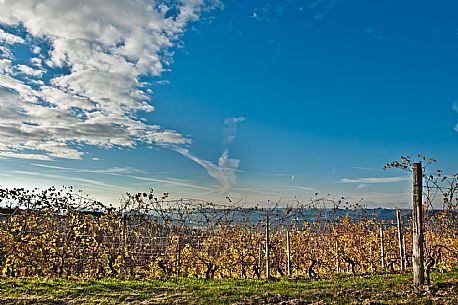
(256, 100)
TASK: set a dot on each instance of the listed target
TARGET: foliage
(59, 233)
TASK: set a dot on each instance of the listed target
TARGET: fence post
(401, 252)
(123, 245)
(178, 255)
(404, 248)
(337, 258)
(417, 227)
(267, 248)
(65, 247)
(382, 248)
(372, 258)
(259, 257)
(288, 253)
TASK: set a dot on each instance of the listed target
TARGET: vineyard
(59, 233)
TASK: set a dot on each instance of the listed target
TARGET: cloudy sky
(255, 100)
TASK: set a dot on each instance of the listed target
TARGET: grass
(377, 289)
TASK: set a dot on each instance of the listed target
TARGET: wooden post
(63, 268)
(417, 227)
(288, 253)
(267, 248)
(337, 258)
(404, 248)
(178, 257)
(382, 248)
(372, 259)
(259, 256)
(401, 252)
(123, 245)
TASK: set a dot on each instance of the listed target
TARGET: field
(376, 289)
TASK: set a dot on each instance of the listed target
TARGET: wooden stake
(123, 244)
(417, 227)
(259, 256)
(372, 259)
(382, 248)
(288, 253)
(404, 248)
(179, 256)
(401, 252)
(337, 258)
(267, 248)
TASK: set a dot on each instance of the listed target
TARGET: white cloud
(36, 61)
(90, 182)
(126, 172)
(10, 154)
(29, 71)
(5, 52)
(5, 65)
(106, 46)
(363, 168)
(230, 129)
(224, 172)
(36, 49)
(171, 182)
(10, 38)
(108, 171)
(374, 180)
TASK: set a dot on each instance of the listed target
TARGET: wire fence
(64, 234)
